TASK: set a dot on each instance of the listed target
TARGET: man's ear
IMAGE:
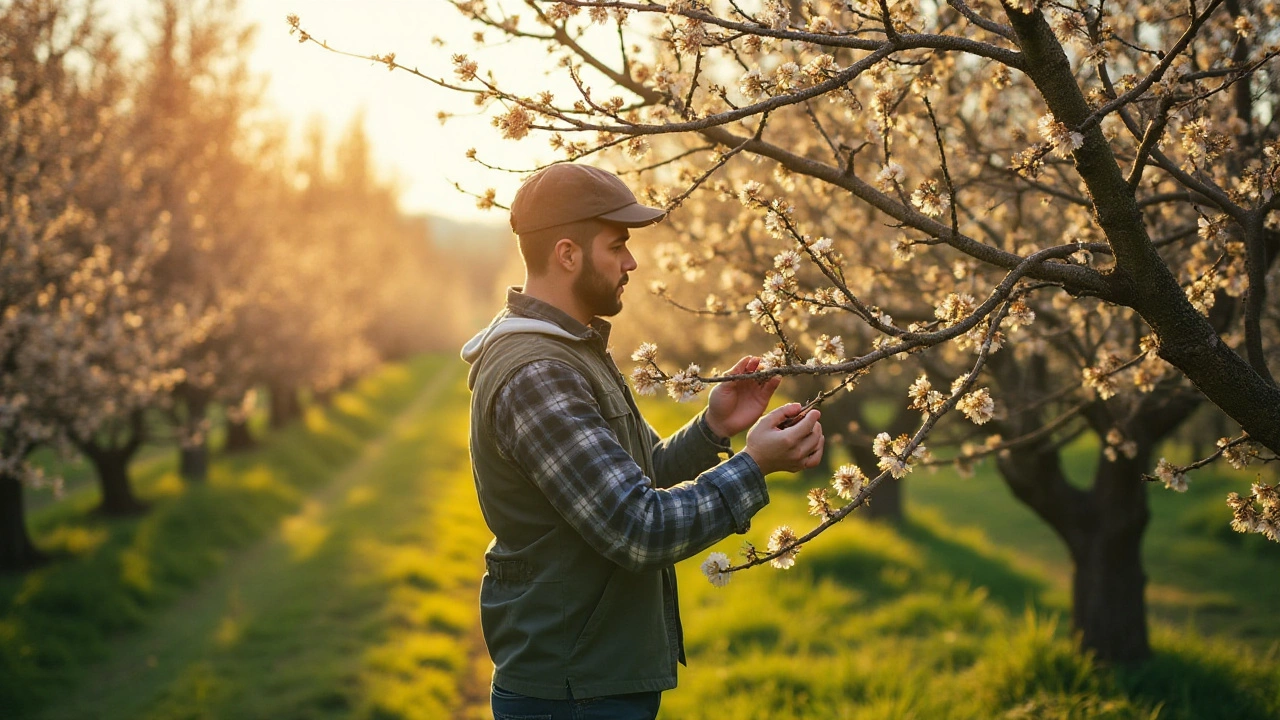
(566, 254)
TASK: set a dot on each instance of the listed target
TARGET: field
(332, 574)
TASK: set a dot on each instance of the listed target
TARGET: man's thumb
(782, 414)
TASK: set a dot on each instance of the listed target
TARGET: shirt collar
(518, 303)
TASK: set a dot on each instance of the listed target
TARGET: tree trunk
(885, 504)
(118, 500)
(1102, 526)
(193, 458)
(1102, 529)
(239, 439)
(110, 458)
(1140, 279)
(1109, 609)
(284, 405)
(323, 397)
(17, 553)
(194, 462)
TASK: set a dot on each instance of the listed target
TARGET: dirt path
(165, 659)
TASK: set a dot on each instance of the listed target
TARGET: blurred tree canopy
(164, 248)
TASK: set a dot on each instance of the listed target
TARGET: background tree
(190, 123)
(75, 352)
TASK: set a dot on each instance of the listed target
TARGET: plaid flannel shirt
(547, 421)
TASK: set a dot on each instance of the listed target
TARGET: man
(588, 507)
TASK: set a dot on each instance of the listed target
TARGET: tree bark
(1109, 610)
(1141, 279)
(193, 462)
(1102, 526)
(239, 438)
(118, 499)
(110, 458)
(285, 407)
(17, 552)
(888, 502)
(193, 453)
(843, 411)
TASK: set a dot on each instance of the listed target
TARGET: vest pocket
(625, 636)
(521, 622)
(613, 404)
(617, 414)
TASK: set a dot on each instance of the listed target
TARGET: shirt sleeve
(687, 452)
(547, 421)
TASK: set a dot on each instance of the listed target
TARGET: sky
(409, 143)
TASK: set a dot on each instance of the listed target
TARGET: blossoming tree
(1089, 183)
(80, 347)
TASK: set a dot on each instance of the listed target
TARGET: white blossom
(1172, 478)
(783, 537)
(685, 385)
(714, 568)
(647, 352)
(848, 481)
(889, 175)
(829, 349)
(646, 380)
(977, 406)
(819, 506)
(1062, 139)
(787, 262)
(930, 200)
(751, 84)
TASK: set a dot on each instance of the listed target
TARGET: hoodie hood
(505, 324)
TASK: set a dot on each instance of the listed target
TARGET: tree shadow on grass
(1011, 588)
(1189, 682)
(881, 579)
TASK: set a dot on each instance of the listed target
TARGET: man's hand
(789, 449)
(734, 406)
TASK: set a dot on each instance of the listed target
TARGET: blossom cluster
(893, 456)
(1259, 512)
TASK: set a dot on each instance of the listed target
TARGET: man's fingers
(766, 387)
(744, 366)
(804, 425)
(812, 443)
(782, 414)
(815, 457)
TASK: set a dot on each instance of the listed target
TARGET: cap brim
(634, 215)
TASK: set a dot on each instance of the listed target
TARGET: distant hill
(482, 238)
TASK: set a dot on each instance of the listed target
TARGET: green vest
(557, 616)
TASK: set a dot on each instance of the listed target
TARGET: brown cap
(566, 193)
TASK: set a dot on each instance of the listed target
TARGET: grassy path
(357, 605)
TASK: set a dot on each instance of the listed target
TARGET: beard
(596, 293)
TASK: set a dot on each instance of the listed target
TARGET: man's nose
(629, 262)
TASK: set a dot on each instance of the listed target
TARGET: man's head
(572, 221)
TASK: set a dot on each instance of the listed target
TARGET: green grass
(332, 574)
(963, 612)
(359, 605)
(114, 577)
(1202, 575)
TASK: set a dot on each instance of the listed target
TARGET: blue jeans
(636, 706)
